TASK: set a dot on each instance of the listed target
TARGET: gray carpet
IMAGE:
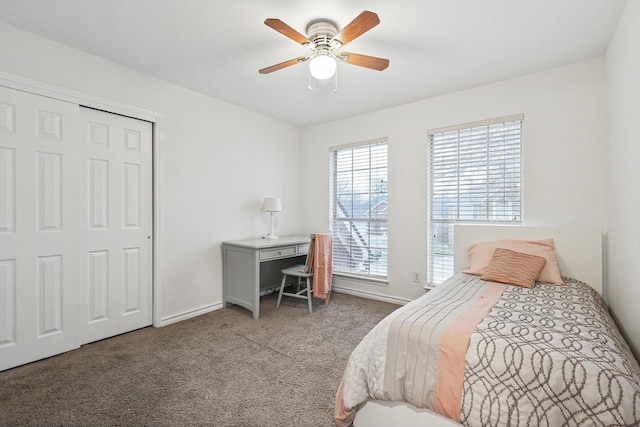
(218, 369)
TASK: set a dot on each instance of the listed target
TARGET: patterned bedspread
(487, 354)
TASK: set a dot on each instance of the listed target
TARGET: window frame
(375, 225)
(445, 266)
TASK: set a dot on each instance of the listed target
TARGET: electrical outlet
(416, 277)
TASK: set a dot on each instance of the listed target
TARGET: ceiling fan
(324, 40)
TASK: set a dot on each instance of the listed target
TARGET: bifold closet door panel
(40, 224)
(116, 261)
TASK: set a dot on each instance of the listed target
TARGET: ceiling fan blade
(365, 61)
(360, 25)
(286, 30)
(282, 65)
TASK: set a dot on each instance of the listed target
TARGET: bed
(477, 352)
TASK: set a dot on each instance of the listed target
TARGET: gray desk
(253, 266)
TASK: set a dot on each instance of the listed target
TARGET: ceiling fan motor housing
(320, 32)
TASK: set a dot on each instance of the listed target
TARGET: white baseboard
(188, 314)
(371, 295)
(213, 307)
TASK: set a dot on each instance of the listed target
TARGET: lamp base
(270, 234)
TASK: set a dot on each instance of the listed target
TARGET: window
(475, 176)
(358, 208)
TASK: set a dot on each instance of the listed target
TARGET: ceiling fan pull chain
(335, 87)
(309, 84)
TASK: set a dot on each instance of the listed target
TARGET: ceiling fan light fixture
(323, 67)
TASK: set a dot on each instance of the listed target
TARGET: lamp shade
(322, 67)
(271, 204)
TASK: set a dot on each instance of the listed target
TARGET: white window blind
(475, 176)
(358, 208)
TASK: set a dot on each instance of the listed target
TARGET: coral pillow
(514, 268)
(480, 255)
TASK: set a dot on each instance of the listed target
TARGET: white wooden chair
(300, 271)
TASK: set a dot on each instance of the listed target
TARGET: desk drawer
(304, 249)
(282, 252)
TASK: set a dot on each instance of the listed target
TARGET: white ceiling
(217, 46)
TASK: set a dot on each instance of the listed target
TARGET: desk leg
(256, 286)
(241, 279)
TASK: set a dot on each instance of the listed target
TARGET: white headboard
(578, 249)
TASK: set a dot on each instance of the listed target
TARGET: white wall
(564, 170)
(217, 161)
(623, 214)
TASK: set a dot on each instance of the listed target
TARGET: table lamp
(271, 205)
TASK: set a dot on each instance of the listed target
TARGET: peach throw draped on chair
(322, 266)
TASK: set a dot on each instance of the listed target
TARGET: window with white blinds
(358, 208)
(475, 176)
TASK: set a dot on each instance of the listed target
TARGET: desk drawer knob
(279, 252)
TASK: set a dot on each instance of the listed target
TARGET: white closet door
(116, 260)
(75, 226)
(40, 215)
